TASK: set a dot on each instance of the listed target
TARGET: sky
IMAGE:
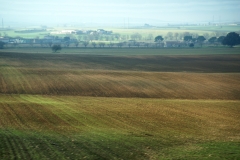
(122, 12)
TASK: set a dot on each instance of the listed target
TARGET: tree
(176, 36)
(136, 36)
(137, 44)
(1, 44)
(94, 44)
(67, 44)
(111, 44)
(120, 45)
(170, 35)
(56, 47)
(31, 42)
(85, 43)
(158, 39)
(101, 44)
(50, 44)
(220, 39)
(187, 38)
(231, 39)
(146, 45)
(150, 37)
(212, 40)
(117, 36)
(206, 35)
(76, 43)
(66, 39)
(14, 44)
(186, 34)
(191, 45)
(200, 40)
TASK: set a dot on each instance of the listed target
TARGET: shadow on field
(156, 63)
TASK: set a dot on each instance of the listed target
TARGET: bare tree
(50, 44)
(101, 44)
(66, 44)
(14, 44)
(136, 36)
(120, 44)
(170, 35)
(91, 37)
(76, 43)
(176, 35)
(146, 45)
(206, 35)
(150, 37)
(137, 44)
(85, 43)
(31, 42)
(94, 44)
(111, 44)
(117, 36)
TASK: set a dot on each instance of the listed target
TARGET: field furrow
(46, 127)
(120, 104)
(123, 84)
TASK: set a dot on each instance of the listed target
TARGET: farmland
(201, 30)
(120, 103)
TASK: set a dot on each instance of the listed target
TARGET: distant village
(67, 38)
(52, 38)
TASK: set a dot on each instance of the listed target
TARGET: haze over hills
(115, 13)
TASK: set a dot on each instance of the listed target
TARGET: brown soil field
(150, 76)
(103, 83)
(76, 106)
(209, 63)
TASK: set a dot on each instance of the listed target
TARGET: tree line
(231, 39)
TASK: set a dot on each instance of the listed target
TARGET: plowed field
(121, 105)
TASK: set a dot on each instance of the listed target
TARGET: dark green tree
(187, 38)
(212, 40)
(1, 44)
(158, 39)
(231, 39)
(56, 47)
(200, 40)
(191, 45)
(220, 39)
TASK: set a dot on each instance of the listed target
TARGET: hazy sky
(118, 11)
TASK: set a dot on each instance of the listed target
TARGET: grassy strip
(32, 145)
(69, 127)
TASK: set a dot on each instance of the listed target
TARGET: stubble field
(120, 104)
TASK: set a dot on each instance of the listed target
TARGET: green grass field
(73, 127)
(120, 103)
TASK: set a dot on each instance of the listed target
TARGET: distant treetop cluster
(101, 38)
